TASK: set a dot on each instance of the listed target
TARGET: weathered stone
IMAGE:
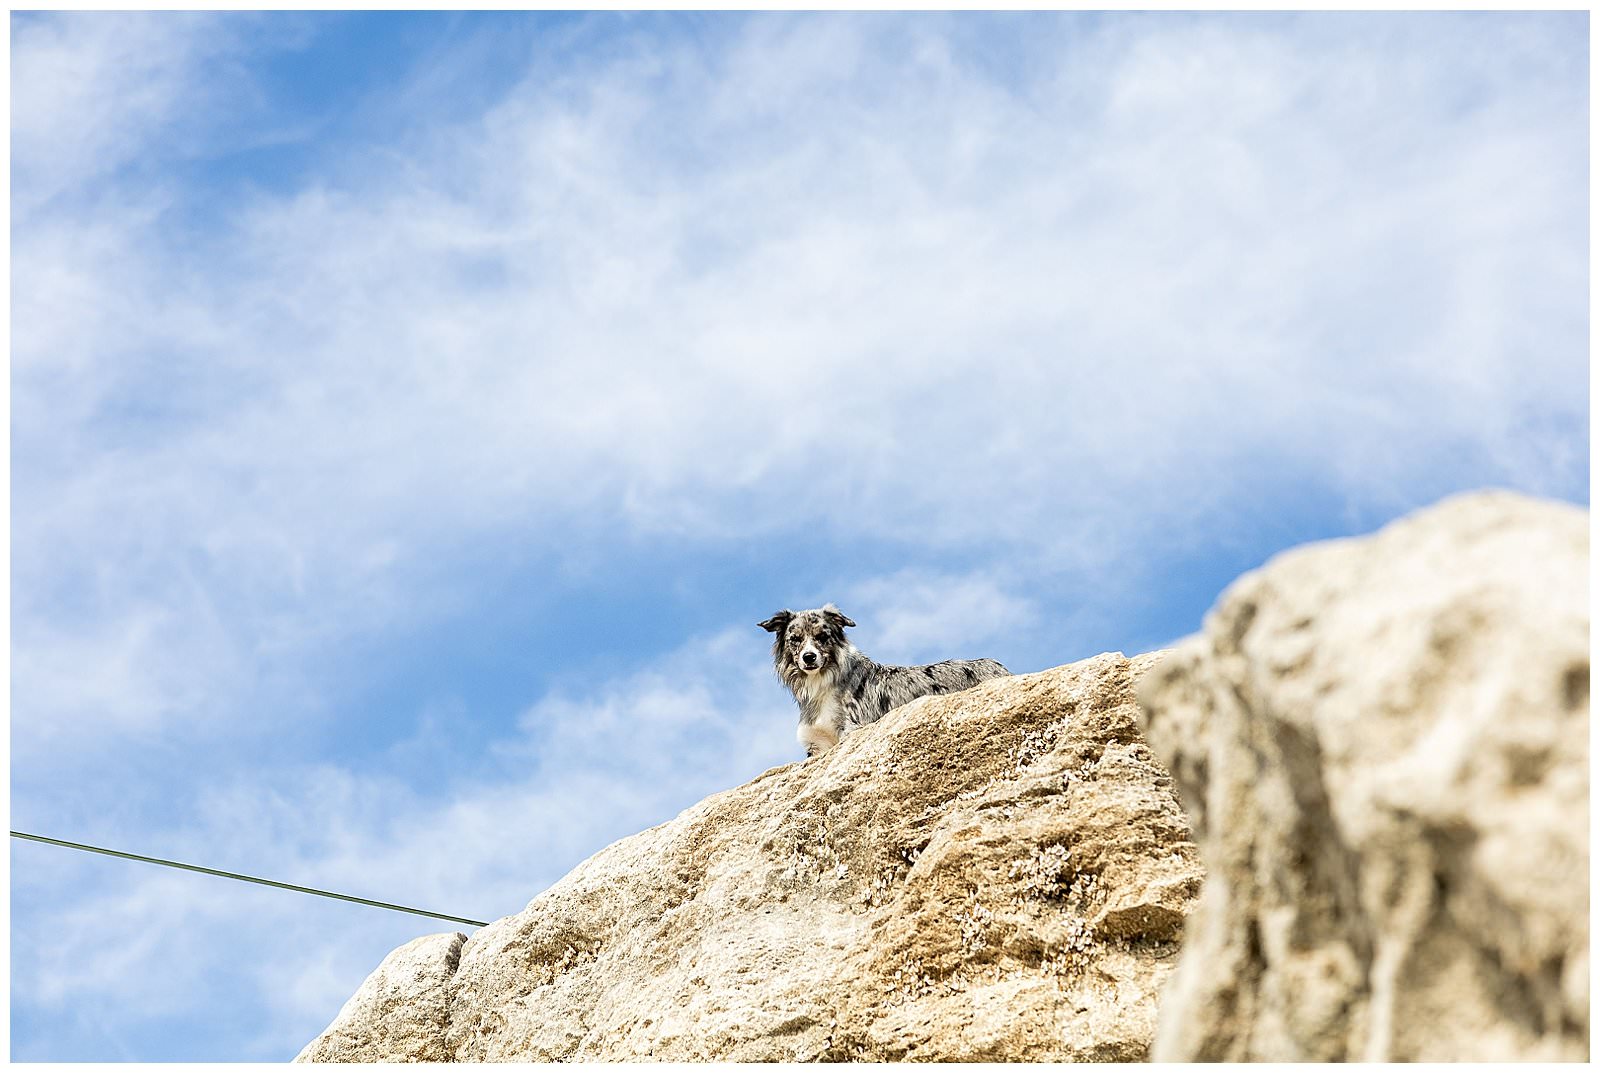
(1382, 744)
(999, 874)
(401, 1011)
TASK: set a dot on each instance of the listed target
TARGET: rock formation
(999, 874)
(1383, 746)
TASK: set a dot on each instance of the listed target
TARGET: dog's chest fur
(822, 715)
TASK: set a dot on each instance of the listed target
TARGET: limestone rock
(401, 1011)
(1383, 746)
(999, 874)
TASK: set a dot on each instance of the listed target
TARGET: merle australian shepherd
(838, 689)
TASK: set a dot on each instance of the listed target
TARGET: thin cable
(247, 879)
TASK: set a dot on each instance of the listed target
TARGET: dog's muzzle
(810, 661)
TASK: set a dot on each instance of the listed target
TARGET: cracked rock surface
(1383, 745)
(999, 874)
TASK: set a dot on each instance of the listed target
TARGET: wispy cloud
(92, 96)
(866, 283)
(923, 617)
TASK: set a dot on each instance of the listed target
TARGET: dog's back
(885, 688)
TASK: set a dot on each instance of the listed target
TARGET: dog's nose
(809, 659)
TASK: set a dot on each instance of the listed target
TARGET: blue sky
(413, 414)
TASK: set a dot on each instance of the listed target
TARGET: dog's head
(807, 642)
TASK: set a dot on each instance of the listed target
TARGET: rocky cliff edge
(1000, 874)
(1382, 744)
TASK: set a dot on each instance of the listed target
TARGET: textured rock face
(401, 1012)
(1383, 746)
(999, 874)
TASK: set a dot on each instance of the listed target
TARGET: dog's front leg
(818, 738)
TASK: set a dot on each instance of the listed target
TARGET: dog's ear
(838, 616)
(777, 622)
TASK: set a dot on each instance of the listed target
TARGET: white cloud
(89, 95)
(835, 278)
(917, 617)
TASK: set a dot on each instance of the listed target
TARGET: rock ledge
(1000, 874)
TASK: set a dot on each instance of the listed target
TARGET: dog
(839, 690)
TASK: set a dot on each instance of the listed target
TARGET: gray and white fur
(839, 689)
